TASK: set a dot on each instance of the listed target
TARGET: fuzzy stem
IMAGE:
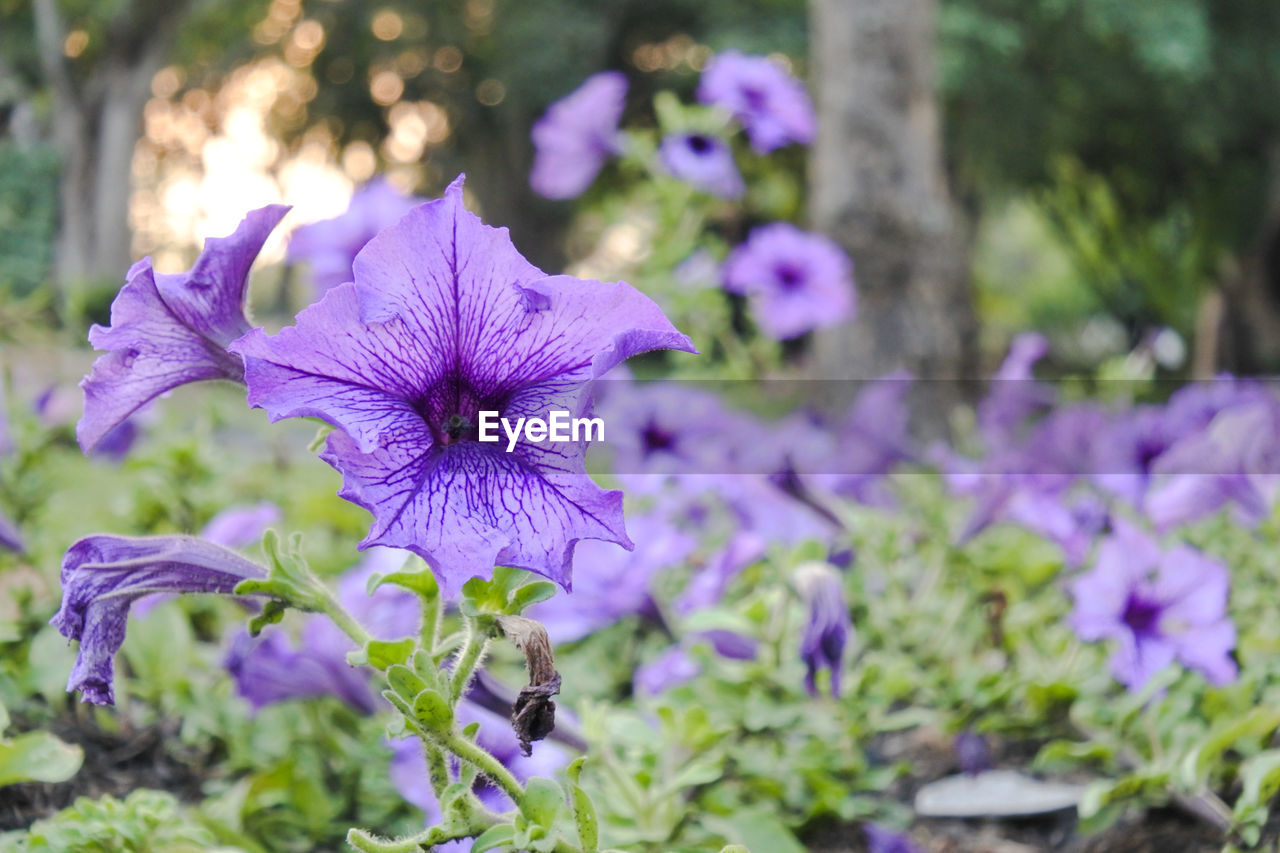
(468, 659)
(485, 763)
(331, 607)
(430, 632)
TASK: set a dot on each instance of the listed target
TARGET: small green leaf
(432, 711)
(494, 837)
(38, 757)
(1198, 763)
(271, 613)
(405, 681)
(421, 582)
(541, 801)
(386, 653)
(584, 816)
(529, 595)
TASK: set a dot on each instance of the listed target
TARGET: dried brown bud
(534, 714)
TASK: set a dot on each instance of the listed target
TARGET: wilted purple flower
(576, 135)
(1159, 606)
(702, 161)
(446, 320)
(611, 581)
(168, 330)
(772, 105)
(796, 281)
(330, 246)
(103, 575)
(881, 839)
(828, 629)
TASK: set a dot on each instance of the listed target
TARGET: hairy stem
(468, 659)
(485, 763)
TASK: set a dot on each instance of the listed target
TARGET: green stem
(468, 659)
(430, 633)
(331, 607)
(485, 763)
(437, 768)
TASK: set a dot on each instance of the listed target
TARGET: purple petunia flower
(828, 628)
(702, 161)
(772, 105)
(1014, 395)
(613, 582)
(796, 281)
(576, 135)
(168, 330)
(1160, 606)
(330, 246)
(446, 320)
(103, 575)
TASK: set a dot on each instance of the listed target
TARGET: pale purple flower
(708, 586)
(170, 329)
(873, 438)
(772, 106)
(613, 582)
(60, 405)
(1014, 395)
(241, 525)
(103, 575)
(672, 668)
(330, 246)
(576, 135)
(703, 161)
(795, 281)
(827, 631)
(881, 839)
(1159, 606)
(445, 320)
(973, 752)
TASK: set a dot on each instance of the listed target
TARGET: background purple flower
(445, 320)
(702, 161)
(881, 839)
(796, 281)
(330, 246)
(103, 575)
(576, 135)
(168, 330)
(772, 105)
(1158, 606)
(827, 631)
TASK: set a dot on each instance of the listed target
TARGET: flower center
(1141, 614)
(655, 438)
(755, 97)
(451, 411)
(789, 276)
(700, 144)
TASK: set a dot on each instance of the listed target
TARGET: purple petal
(704, 162)
(577, 135)
(168, 330)
(772, 105)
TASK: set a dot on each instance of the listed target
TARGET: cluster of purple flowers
(795, 281)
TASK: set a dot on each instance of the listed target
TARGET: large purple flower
(103, 575)
(1160, 606)
(772, 105)
(796, 281)
(330, 246)
(446, 320)
(702, 161)
(170, 329)
(576, 135)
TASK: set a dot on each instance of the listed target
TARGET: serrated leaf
(38, 757)
(432, 711)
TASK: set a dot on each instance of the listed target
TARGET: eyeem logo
(560, 426)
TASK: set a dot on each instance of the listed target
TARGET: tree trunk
(876, 185)
(1247, 341)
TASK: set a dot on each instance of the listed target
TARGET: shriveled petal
(103, 575)
(168, 330)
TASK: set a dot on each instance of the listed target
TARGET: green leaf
(405, 681)
(421, 582)
(494, 837)
(529, 595)
(541, 801)
(271, 613)
(383, 654)
(38, 757)
(432, 711)
(1197, 764)
(584, 816)
(1260, 779)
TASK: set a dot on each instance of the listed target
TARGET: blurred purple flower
(103, 575)
(670, 669)
(828, 629)
(1014, 395)
(881, 839)
(61, 405)
(241, 525)
(773, 106)
(704, 162)
(873, 438)
(795, 281)
(330, 246)
(576, 135)
(708, 586)
(1159, 606)
(973, 752)
(10, 536)
(611, 581)
(168, 330)
(445, 320)
(1129, 450)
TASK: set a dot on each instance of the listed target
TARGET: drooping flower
(772, 105)
(1159, 606)
(611, 581)
(446, 320)
(796, 281)
(170, 329)
(576, 135)
(827, 631)
(103, 575)
(702, 161)
(330, 246)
